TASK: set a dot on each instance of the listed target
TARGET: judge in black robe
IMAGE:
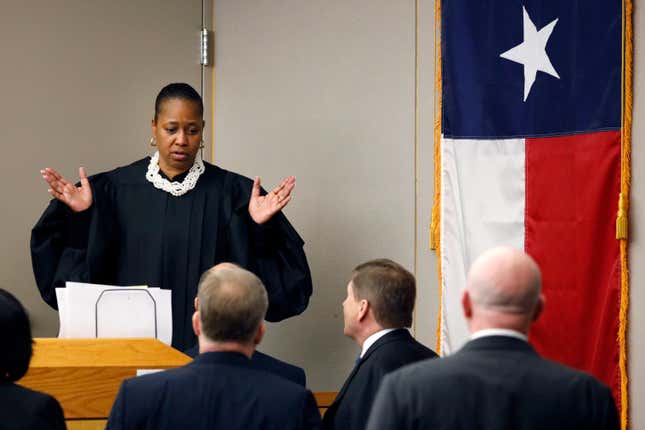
(136, 234)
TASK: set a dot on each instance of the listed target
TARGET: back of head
(389, 288)
(232, 304)
(15, 338)
(505, 282)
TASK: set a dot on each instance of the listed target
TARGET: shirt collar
(373, 338)
(499, 332)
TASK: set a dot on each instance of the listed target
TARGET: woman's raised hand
(77, 198)
(262, 208)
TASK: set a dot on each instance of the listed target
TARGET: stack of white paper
(93, 310)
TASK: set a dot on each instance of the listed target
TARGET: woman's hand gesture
(262, 208)
(77, 198)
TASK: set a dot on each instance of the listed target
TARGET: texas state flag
(530, 158)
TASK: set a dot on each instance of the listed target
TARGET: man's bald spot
(232, 303)
(225, 265)
(506, 280)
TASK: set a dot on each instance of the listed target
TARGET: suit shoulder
(31, 396)
(277, 383)
(415, 373)
(153, 382)
(30, 404)
(397, 352)
(568, 375)
(279, 367)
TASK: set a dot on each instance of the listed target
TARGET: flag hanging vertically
(535, 116)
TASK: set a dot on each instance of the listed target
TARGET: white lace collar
(175, 188)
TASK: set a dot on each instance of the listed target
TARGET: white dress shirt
(499, 332)
(373, 338)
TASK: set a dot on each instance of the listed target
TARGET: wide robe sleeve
(273, 251)
(69, 246)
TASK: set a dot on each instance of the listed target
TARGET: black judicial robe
(136, 234)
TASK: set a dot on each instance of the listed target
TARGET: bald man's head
(224, 265)
(503, 290)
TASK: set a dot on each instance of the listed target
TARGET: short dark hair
(232, 304)
(389, 288)
(178, 90)
(15, 338)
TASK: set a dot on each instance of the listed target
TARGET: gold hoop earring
(153, 142)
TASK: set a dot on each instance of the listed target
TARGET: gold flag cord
(623, 205)
(435, 238)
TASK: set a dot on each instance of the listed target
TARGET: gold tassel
(621, 219)
(433, 237)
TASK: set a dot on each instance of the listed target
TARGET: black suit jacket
(216, 390)
(25, 409)
(263, 361)
(495, 382)
(352, 405)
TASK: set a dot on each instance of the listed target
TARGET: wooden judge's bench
(84, 375)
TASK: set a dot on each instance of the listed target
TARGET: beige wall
(323, 91)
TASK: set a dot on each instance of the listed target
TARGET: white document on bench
(108, 311)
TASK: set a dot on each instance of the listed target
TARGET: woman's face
(178, 132)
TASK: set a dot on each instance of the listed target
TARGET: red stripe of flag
(572, 186)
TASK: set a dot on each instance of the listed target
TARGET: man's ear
(196, 303)
(466, 304)
(539, 307)
(197, 327)
(363, 308)
(259, 334)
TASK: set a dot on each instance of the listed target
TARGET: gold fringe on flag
(435, 238)
(623, 206)
(434, 222)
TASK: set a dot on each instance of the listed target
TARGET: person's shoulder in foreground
(262, 361)
(217, 389)
(497, 380)
(293, 373)
(466, 390)
(20, 407)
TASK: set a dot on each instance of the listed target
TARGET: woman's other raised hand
(77, 198)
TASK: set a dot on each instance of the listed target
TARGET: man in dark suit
(220, 388)
(497, 380)
(262, 361)
(378, 307)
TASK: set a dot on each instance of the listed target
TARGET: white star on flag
(531, 53)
